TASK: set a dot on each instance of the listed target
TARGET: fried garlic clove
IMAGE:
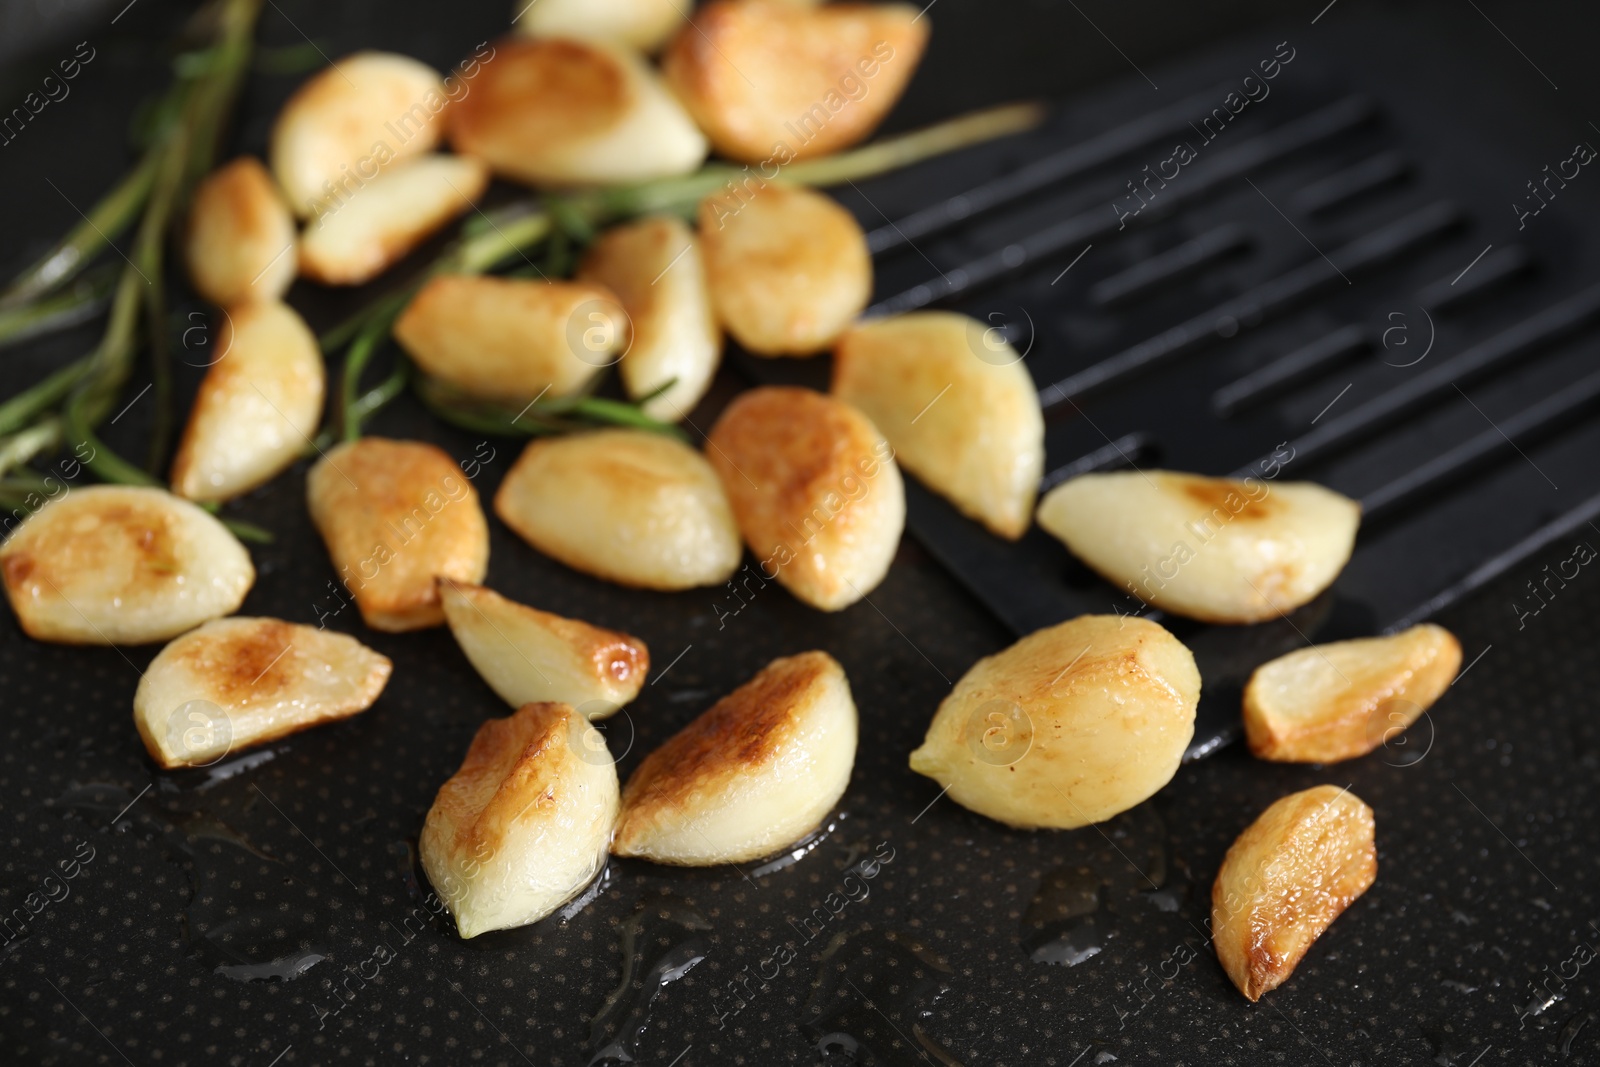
(1285, 880)
(554, 111)
(347, 122)
(751, 776)
(1213, 549)
(240, 242)
(1069, 726)
(774, 82)
(788, 268)
(236, 683)
(629, 506)
(1342, 700)
(641, 24)
(121, 565)
(524, 825)
(257, 407)
(815, 490)
(655, 268)
(511, 339)
(354, 242)
(530, 656)
(395, 516)
(957, 404)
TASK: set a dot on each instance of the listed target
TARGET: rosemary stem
(105, 221)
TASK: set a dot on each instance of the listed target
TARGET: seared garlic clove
(395, 516)
(524, 824)
(815, 489)
(236, 683)
(354, 242)
(750, 777)
(258, 405)
(348, 122)
(1069, 726)
(1338, 701)
(1285, 880)
(512, 339)
(1210, 548)
(641, 24)
(564, 112)
(789, 269)
(240, 244)
(121, 565)
(957, 404)
(530, 656)
(630, 506)
(654, 267)
(777, 82)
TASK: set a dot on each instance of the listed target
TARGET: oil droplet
(871, 997)
(666, 932)
(1059, 926)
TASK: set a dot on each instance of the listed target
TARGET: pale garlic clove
(629, 506)
(1342, 700)
(354, 242)
(239, 682)
(258, 405)
(240, 242)
(751, 776)
(557, 111)
(655, 268)
(1285, 880)
(957, 404)
(511, 339)
(395, 516)
(524, 825)
(1213, 549)
(530, 656)
(788, 268)
(641, 24)
(1069, 726)
(347, 122)
(815, 489)
(121, 565)
(774, 82)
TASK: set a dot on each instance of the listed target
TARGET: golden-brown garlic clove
(396, 515)
(239, 682)
(240, 242)
(641, 24)
(353, 242)
(122, 565)
(524, 825)
(1214, 549)
(1338, 701)
(783, 81)
(629, 506)
(511, 339)
(957, 404)
(788, 268)
(655, 268)
(1285, 880)
(258, 405)
(530, 656)
(347, 122)
(1069, 726)
(815, 490)
(555, 111)
(751, 776)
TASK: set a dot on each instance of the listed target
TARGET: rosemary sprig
(58, 310)
(541, 417)
(105, 223)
